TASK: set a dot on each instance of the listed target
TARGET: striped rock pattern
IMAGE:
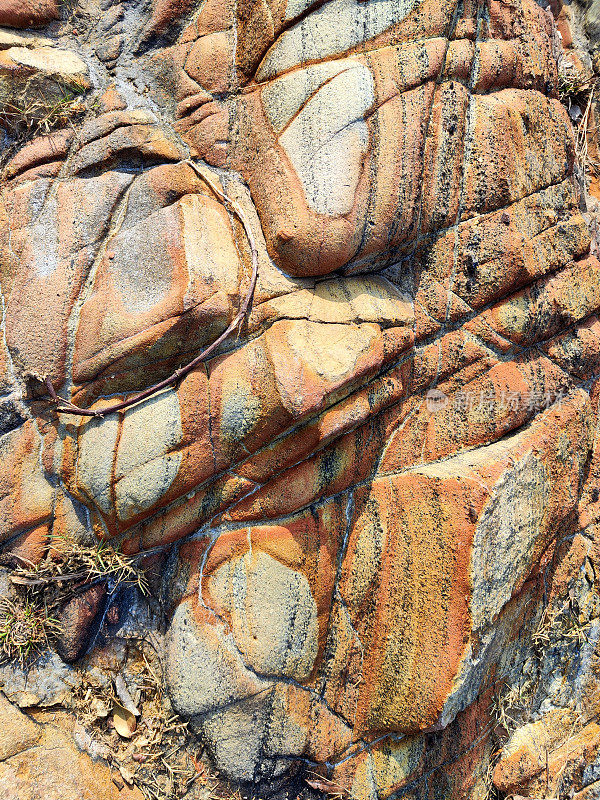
(355, 498)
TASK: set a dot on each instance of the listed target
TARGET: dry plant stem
(582, 136)
(66, 407)
(50, 583)
(73, 576)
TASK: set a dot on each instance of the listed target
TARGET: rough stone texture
(377, 495)
(42, 761)
(75, 620)
(29, 13)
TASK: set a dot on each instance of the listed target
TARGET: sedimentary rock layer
(357, 495)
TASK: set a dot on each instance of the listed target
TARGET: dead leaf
(326, 786)
(319, 786)
(124, 721)
(127, 775)
(124, 696)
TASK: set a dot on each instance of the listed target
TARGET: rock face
(42, 761)
(372, 495)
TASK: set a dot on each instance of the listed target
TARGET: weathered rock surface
(378, 495)
(40, 760)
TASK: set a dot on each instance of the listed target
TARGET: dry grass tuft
(562, 628)
(511, 707)
(70, 566)
(25, 630)
(576, 92)
(561, 623)
(29, 116)
(35, 111)
(28, 623)
(573, 85)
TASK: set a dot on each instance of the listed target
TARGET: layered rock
(360, 493)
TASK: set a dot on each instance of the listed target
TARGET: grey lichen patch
(239, 415)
